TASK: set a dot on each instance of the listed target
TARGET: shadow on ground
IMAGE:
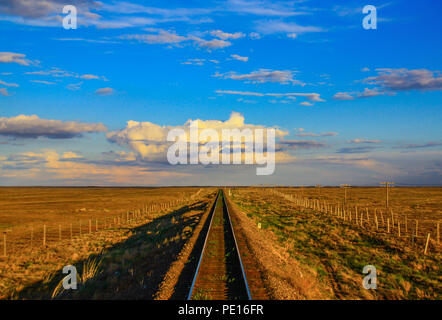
(134, 268)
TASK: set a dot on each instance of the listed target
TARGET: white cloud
(310, 96)
(240, 58)
(42, 82)
(212, 44)
(195, 62)
(89, 76)
(162, 37)
(277, 26)
(74, 86)
(264, 8)
(149, 140)
(262, 76)
(226, 36)
(104, 91)
(254, 36)
(4, 92)
(367, 93)
(8, 84)
(11, 57)
(343, 96)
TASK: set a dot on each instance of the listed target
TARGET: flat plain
(137, 243)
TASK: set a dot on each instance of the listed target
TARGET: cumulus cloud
(12, 57)
(149, 140)
(404, 79)
(262, 76)
(24, 126)
(306, 104)
(239, 58)
(104, 91)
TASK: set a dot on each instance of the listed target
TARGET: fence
(375, 221)
(38, 236)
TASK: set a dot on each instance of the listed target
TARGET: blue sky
(360, 106)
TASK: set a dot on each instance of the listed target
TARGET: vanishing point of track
(220, 272)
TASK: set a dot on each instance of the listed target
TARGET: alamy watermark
(232, 146)
(70, 20)
(370, 20)
(370, 280)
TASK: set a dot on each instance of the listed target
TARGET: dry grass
(144, 245)
(336, 252)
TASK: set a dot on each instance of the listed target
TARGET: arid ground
(143, 243)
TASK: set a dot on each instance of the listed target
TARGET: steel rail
(204, 248)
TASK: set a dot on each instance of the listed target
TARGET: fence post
(4, 244)
(399, 229)
(80, 229)
(392, 218)
(32, 235)
(376, 220)
(388, 225)
(417, 228)
(44, 235)
(70, 228)
(59, 232)
(90, 226)
(426, 244)
(437, 229)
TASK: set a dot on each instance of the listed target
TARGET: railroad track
(220, 272)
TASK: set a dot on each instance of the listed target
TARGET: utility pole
(345, 187)
(318, 186)
(386, 184)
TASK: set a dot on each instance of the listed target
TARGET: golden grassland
(336, 250)
(152, 236)
(130, 238)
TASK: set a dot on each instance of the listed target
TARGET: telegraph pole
(318, 186)
(386, 184)
(345, 187)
